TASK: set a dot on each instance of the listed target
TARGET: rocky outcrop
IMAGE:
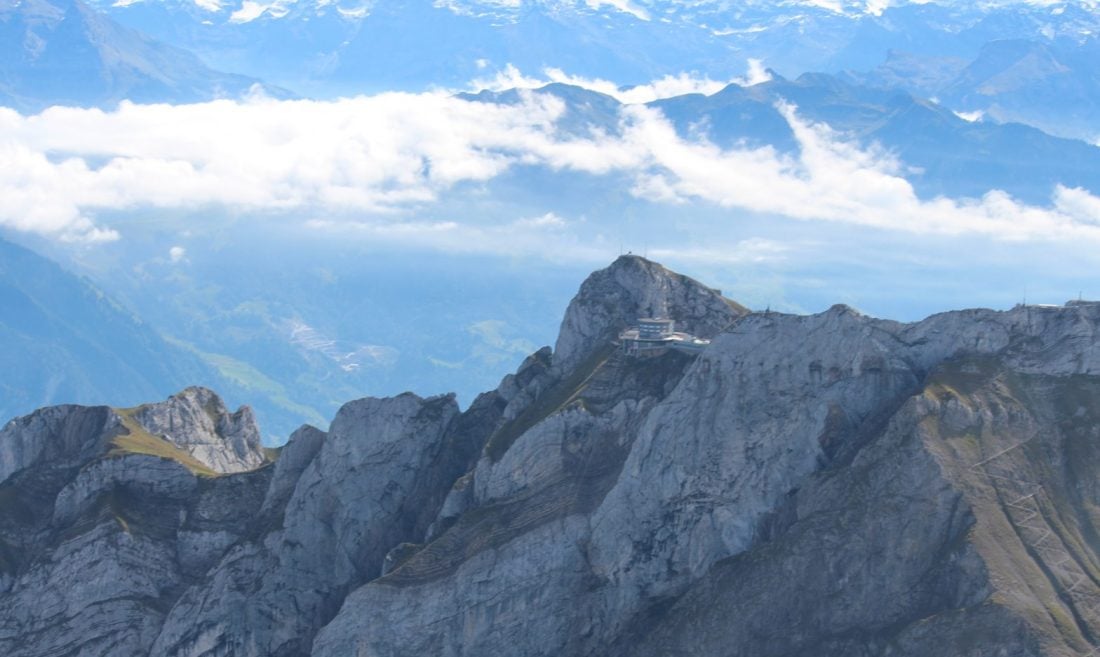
(965, 527)
(103, 523)
(353, 501)
(612, 299)
(784, 470)
(94, 556)
(55, 435)
(197, 421)
(827, 485)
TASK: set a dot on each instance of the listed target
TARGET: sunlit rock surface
(824, 485)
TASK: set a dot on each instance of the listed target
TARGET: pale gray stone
(830, 485)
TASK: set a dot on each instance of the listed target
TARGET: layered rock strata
(820, 485)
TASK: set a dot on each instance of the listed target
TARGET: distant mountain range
(1053, 86)
(65, 341)
(944, 153)
(355, 46)
(296, 344)
(65, 52)
(1005, 62)
(296, 334)
(827, 485)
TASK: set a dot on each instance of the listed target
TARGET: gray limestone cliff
(827, 485)
(197, 422)
(612, 299)
(103, 524)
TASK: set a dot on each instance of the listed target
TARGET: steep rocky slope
(104, 523)
(64, 340)
(807, 485)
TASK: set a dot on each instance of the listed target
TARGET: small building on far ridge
(654, 336)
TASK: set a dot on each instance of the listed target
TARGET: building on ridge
(653, 336)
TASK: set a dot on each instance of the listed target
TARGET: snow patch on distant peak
(212, 6)
(971, 117)
(251, 10)
(354, 12)
(643, 10)
(625, 6)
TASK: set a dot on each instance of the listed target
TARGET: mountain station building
(655, 336)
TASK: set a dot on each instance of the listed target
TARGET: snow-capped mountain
(65, 52)
(949, 51)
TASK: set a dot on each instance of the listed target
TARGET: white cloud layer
(343, 162)
(667, 87)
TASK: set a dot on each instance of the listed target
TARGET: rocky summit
(830, 485)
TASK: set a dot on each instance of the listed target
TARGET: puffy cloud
(58, 168)
(836, 180)
(1078, 204)
(349, 163)
(177, 253)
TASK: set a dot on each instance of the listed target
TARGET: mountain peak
(611, 299)
(197, 421)
(192, 427)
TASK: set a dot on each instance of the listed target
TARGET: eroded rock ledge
(827, 485)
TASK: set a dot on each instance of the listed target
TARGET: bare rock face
(829, 485)
(612, 299)
(93, 556)
(349, 505)
(783, 494)
(197, 421)
(56, 434)
(103, 523)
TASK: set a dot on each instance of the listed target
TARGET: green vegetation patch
(964, 377)
(248, 377)
(548, 403)
(137, 440)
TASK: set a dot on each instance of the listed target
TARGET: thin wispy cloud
(668, 86)
(390, 154)
(548, 237)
